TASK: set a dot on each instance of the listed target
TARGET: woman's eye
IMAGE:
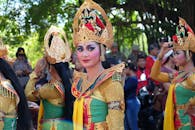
(176, 53)
(90, 48)
(79, 49)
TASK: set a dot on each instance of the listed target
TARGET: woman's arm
(157, 75)
(30, 88)
(114, 96)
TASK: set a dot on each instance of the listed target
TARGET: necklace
(91, 79)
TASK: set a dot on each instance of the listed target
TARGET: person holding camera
(179, 110)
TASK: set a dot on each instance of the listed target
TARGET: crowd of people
(104, 91)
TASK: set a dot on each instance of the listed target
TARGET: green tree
(134, 21)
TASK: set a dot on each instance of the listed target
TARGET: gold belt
(52, 120)
(7, 115)
(182, 107)
(101, 126)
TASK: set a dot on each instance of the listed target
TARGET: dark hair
(141, 55)
(163, 39)
(24, 118)
(65, 75)
(131, 66)
(50, 39)
(152, 46)
(20, 52)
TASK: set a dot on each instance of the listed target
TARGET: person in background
(22, 67)
(132, 104)
(168, 66)
(14, 112)
(115, 56)
(150, 59)
(134, 54)
(153, 51)
(99, 94)
(50, 83)
(179, 110)
(142, 72)
(162, 40)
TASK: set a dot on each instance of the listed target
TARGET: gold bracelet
(159, 58)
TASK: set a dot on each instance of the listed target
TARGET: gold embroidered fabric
(92, 24)
(8, 100)
(47, 91)
(58, 50)
(184, 38)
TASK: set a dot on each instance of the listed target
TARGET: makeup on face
(88, 54)
(89, 48)
(179, 58)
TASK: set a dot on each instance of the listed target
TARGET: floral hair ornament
(184, 38)
(56, 46)
(92, 24)
(3, 49)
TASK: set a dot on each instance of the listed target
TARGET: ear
(102, 52)
(190, 54)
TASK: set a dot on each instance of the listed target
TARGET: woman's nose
(85, 53)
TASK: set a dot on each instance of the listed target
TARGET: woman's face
(180, 58)
(88, 54)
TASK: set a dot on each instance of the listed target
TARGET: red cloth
(140, 82)
(149, 63)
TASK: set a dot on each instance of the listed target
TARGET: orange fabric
(169, 110)
(40, 116)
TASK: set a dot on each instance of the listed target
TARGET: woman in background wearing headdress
(22, 67)
(99, 103)
(179, 110)
(14, 112)
(50, 83)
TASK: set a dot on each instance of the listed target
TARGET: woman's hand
(36, 94)
(40, 67)
(164, 49)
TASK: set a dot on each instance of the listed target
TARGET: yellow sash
(78, 114)
(40, 116)
(169, 110)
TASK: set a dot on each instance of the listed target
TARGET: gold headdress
(56, 46)
(184, 38)
(3, 49)
(92, 24)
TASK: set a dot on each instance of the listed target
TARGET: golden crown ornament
(184, 38)
(56, 46)
(92, 24)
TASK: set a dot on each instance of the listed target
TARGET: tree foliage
(24, 22)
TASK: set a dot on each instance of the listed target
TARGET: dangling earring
(102, 50)
(188, 55)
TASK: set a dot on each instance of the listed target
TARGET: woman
(132, 103)
(179, 112)
(22, 67)
(168, 66)
(48, 84)
(14, 112)
(99, 92)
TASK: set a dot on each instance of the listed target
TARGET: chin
(87, 65)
